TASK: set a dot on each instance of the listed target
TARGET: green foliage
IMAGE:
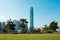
(45, 28)
(10, 25)
(22, 25)
(37, 30)
(53, 26)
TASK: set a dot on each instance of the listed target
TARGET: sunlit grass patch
(29, 36)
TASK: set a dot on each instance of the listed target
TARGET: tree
(53, 26)
(39, 30)
(45, 28)
(10, 25)
(36, 30)
(22, 24)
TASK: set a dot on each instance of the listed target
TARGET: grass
(29, 36)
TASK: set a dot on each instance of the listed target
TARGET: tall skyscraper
(31, 18)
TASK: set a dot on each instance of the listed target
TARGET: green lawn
(29, 36)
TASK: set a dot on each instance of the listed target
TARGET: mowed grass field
(29, 36)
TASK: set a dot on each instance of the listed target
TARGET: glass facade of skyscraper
(31, 18)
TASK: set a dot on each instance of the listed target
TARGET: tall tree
(10, 25)
(23, 24)
(53, 26)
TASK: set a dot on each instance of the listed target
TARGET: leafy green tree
(10, 25)
(22, 25)
(53, 26)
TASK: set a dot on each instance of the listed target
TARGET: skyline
(45, 11)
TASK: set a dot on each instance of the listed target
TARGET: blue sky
(45, 11)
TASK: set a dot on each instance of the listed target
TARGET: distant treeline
(10, 27)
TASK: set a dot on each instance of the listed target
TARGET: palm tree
(53, 26)
(10, 25)
(23, 23)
